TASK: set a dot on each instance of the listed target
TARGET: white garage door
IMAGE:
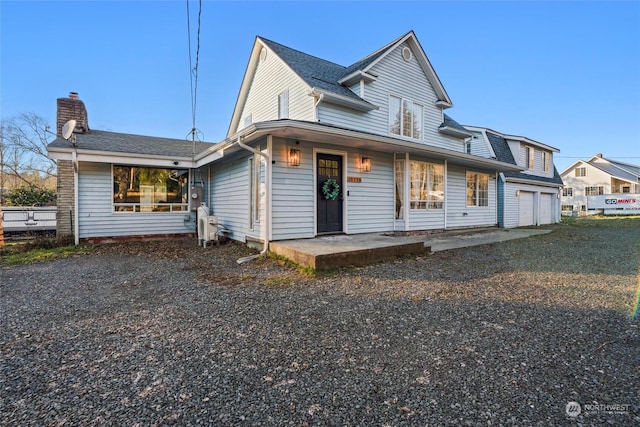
(546, 208)
(526, 208)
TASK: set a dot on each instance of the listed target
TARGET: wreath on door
(330, 189)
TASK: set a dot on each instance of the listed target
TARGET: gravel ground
(167, 333)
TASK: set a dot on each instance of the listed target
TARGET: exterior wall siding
(229, 195)
(271, 78)
(459, 215)
(512, 203)
(400, 78)
(369, 205)
(97, 219)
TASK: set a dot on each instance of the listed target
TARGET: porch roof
(334, 135)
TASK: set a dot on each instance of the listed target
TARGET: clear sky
(563, 73)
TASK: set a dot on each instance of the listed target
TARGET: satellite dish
(68, 128)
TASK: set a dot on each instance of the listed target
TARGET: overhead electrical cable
(193, 71)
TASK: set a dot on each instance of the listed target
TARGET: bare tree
(23, 157)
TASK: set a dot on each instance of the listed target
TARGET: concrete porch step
(323, 253)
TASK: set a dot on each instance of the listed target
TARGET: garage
(526, 216)
(546, 208)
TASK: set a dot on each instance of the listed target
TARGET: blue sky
(564, 73)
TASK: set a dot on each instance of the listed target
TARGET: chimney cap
(73, 95)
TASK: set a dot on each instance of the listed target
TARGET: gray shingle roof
(450, 123)
(100, 140)
(503, 153)
(316, 72)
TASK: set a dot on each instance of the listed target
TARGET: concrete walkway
(328, 252)
(454, 241)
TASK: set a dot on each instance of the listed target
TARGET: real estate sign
(615, 204)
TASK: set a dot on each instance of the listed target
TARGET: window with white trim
(405, 117)
(283, 105)
(477, 189)
(580, 171)
(529, 157)
(595, 190)
(426, 185)
(546, 163)
(567, 191)
(145, 189)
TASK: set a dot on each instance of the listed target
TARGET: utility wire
(193, 71)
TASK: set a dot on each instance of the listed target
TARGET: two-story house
(595, 177)
(528, 197)
(313, 147)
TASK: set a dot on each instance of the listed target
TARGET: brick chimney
(72, 108)
(599, 155)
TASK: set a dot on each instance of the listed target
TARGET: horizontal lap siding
(271, 78)
(293, 213)
(400, 78)
(371, 202)
(230, 196)
(512, 202)
(476, 216)
(97, 219)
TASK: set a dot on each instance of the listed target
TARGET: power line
(193, 70)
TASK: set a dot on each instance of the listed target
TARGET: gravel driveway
(167, 333)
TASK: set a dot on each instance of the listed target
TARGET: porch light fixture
(294, 157)
(517, 193)
(365, 164)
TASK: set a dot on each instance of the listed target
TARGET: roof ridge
(301, 52)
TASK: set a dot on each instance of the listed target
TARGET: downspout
(315, 106)
(265, 231)
(76, 226)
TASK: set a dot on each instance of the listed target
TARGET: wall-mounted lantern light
(365, 164)
(294, 157)
(517, 193)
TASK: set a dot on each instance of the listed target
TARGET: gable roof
(329, 79)
(127, 144)
(614, 168)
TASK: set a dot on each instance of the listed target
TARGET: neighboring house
(313, 148)
(529, 197)
(594, 177)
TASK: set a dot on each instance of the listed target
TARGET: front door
(329, 193)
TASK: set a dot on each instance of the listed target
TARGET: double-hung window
(427, 185)
(580, 171)
(567, 191)
(546, 161)
(477, 189)
(405, 117)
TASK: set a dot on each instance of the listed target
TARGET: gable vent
(406, 54)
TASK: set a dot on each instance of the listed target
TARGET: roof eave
(334, 98)
(357, 76)
(458, 133)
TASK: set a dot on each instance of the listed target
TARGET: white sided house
(313, 148)
(597, 176)
(529, 197)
